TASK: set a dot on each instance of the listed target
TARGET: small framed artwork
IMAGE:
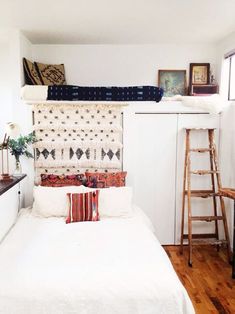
(199, 74)
(173, 82)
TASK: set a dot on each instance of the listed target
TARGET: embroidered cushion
(83, 207)
(105, 179)
(62, 180)
(51, 74)
(30, 73)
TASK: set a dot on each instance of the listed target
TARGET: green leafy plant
(20, 146)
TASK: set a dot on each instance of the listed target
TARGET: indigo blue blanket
(132, 93)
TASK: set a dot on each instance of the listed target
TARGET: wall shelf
(6, 185)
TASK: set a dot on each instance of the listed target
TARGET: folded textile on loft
(131, 93)
(213, 104)
(82, 93)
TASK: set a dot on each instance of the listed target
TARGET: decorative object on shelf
(11, 131)
(199, 73)
(4, 176)
(204, 90)
(173, 82)
(212, 79)
(19, 147)
(201, 81)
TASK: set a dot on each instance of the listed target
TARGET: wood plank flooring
(208, 282)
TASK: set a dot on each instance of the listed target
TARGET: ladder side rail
(189, 199)
(219, 185)
(211, 146)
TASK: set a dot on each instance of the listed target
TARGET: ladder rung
(201, 150)
(206, 218)
(203, 172)
(202, 193)
(195, 129)
(209, 242)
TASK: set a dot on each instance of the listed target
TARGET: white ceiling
(119, 21)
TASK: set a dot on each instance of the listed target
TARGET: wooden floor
(208, 282)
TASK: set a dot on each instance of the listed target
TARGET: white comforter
(115, 266)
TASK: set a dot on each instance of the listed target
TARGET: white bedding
(115, 266)
(34, 92)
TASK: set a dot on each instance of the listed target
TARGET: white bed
(115, 266)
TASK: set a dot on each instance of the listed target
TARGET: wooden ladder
(207, 238)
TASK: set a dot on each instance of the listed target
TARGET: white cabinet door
(199, 139)
(154, 168)
(9, 206)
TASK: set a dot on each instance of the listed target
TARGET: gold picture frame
(173, 82)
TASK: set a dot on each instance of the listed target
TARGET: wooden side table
(230, 193)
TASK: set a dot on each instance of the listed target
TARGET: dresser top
(6, 185)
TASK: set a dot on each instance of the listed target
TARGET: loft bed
(79, 129)
(150, 96)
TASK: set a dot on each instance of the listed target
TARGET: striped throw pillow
(83, 207)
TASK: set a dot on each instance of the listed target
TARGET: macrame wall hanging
(74, 138)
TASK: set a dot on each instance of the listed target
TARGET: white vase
(18, 169)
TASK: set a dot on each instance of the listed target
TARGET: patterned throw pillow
(62, 180)
(30, 73)
(51, 74)
(105, 179)
(83, 207)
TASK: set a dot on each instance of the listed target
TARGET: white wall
(20, 47)
(228, 117)
(13, 109)
(224, 46)
(122, 64)
(227, 143)
(5, 87)
(22, 113)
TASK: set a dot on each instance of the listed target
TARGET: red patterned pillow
(105, 179)
(62, 180)
(83, 207)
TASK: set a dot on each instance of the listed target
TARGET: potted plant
(20, 147)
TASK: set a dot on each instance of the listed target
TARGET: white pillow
(115, 202)
(53, 201)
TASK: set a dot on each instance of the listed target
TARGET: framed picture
(199, 74)
(173, 82)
